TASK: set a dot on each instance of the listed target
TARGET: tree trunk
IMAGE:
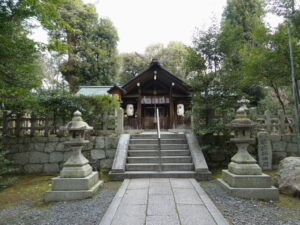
(71, 63)
(281, 103)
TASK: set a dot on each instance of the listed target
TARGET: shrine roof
(93, 90)
(163, 75)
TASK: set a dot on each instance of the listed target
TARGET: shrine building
(155, 87)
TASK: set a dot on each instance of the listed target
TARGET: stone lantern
(76, 180)
(244, 177)
(242, 162)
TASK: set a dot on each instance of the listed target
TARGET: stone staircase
(142, 158)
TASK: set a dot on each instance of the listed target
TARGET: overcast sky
(143, 22)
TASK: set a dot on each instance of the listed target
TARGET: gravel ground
(88, 211)
(250, 212)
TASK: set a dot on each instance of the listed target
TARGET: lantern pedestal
(244, 177)
(253, 191)
(76, 180)
(77, 166)
(67, 189)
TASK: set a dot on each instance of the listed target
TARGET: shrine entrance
(153, 88)
(149, 120)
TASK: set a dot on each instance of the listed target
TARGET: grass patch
(287, 201)
(29, 187)
(112, 185)
(271, 173)
(217, 173)
(103, 174)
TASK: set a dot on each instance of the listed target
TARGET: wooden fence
(33, 125)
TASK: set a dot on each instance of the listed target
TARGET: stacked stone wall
(46, 155)
(282, 147)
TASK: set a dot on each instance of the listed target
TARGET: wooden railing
(158, 138)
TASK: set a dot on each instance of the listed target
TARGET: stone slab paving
(162, 201)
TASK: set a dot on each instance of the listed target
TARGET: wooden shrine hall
(155, 87)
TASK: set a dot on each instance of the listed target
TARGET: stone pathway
(160, 201)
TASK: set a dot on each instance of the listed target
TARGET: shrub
(6, 170)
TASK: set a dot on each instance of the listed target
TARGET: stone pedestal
(244, 177)
(76, 180)
(66, 189)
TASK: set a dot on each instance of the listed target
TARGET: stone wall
(47, 154)
(283, 146)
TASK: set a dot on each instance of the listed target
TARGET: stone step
(155, 166)
(155, 174)
(154, 136)
(164, 159)
(163, 146)
(140, 153)
(155, 141)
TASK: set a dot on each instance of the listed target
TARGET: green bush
(62, 103)
(6, 177)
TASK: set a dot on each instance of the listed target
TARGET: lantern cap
(77, 123)
(241, 120)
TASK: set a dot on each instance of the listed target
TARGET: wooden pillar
(139, 108)
(171, 107)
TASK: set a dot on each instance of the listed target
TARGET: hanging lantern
(129, 110)
(180, 110)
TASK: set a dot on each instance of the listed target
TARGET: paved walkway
(162, 202)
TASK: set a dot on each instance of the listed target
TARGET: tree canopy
(19, 55)
(88, 42)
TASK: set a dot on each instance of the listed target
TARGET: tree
(274, 51)
(88, 42)
(130, 66)
(173, 54)
(281, 7)
(99, 54)
(207, 44)
(212, 101)
(50, 72)
(242, 19)
(19, 56)
(176, 53)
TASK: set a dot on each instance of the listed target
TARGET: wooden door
(149, 120)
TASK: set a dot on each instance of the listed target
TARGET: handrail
(158, 138)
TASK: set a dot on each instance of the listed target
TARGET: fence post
(119, 121)
(281, 121)
(105, 122)
(268, 122)
(46, 126)
(18, 124)
(32, 124)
